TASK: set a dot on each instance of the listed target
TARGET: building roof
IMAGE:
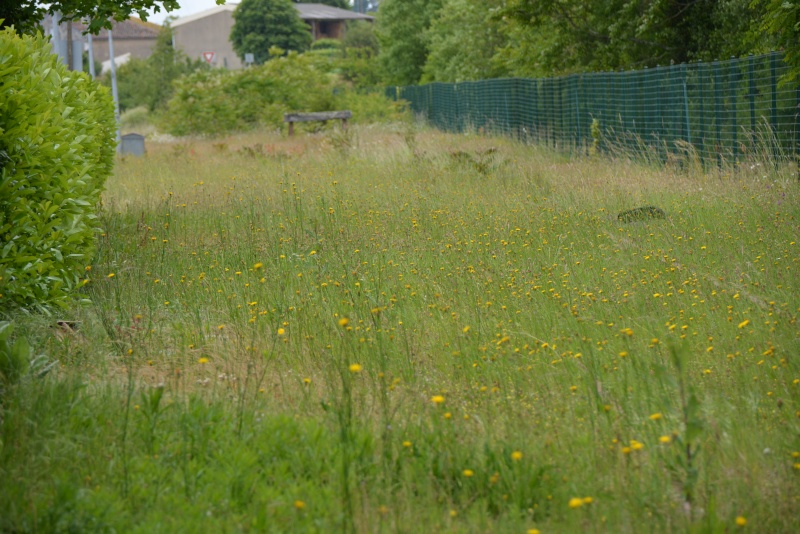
(306, 11)
(132, 28)
(203, 14)
(325, 12)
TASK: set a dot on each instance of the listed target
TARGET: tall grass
(412, 332)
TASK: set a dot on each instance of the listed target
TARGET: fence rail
(728, 111)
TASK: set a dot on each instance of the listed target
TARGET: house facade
(206, 35)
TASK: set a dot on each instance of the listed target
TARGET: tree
(452, 38)
(148, 82)
(402, 31)
(263, 24)
(25, 15)
(782, 22)
(613, 34)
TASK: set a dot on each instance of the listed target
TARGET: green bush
(56, 151)
(220, 101)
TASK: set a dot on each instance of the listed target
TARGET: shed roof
(132, 28)
(306, 12)
(325, 12)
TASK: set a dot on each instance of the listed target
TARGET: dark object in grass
(642, 214)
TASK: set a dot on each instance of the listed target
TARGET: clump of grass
(389, 341)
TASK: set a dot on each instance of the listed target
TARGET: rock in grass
(642, 214)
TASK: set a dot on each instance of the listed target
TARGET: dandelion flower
(534, 531)
(465, 329)
(258, 266)
(743, 324)
(344, 321)
(437, 399)
(355, 368)
(575, 502)
(281, 331)
(741, 521)
(468, 472)
(111, 275)
(627, 331)
(636, 445)
(516, 456)
(588, 500)
(664, 439)
(656, 416)
(407, 444)
(299, 505)
(203, 360)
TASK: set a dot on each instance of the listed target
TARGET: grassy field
(418, 332)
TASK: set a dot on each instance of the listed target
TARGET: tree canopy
(453, 40)
(402, 27)
(25, 15)
(263, 24)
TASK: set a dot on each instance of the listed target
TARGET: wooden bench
(323, 116)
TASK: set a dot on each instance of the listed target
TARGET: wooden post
(291, 129)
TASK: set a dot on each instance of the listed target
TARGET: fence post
(734, 65)
(751, 90)
(686, 109)
(797, 129)
(701, 68)
(718, 110)
(578, 117)
(773, 115)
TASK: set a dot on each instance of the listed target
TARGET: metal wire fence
(724, 111)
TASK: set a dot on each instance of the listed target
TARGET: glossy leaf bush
(56, 151)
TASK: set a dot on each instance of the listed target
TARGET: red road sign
(209, 57)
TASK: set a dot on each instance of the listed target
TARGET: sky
(188, 7)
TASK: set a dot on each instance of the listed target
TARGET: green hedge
(220, 101)
(57, 145)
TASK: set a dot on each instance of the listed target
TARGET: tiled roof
(133, 28)
(324, 12)
(306, 11)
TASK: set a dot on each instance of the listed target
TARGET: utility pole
(114, 92)
(91, 57)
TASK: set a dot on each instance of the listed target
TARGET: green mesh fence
(726, 111)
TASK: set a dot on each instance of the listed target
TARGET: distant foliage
(452, 38)
(782, 22)
(148, 82)
(218, 100)
(403, 34)
(56, 150)
(260, 25)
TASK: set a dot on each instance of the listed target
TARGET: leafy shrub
(148, 82)
(326, 44)
(136, 117)
(371, 106)
(219, 101)
(56, 151)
